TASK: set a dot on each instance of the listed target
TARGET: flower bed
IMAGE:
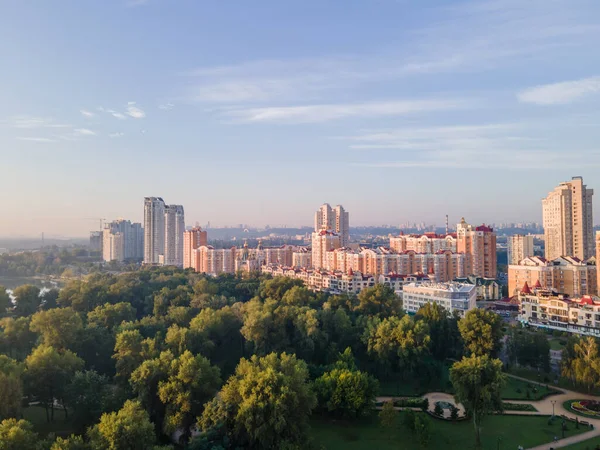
(588, 408)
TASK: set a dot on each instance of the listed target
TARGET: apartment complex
(567, 274)
(542, 308)
(334, 219)
(479, 244)
(322, 242)
(96, 241)
(163, 232)
(424, 243)
(453, 297)
(519, 247)
(192, 239)
(568, 221)
(302, 257)
(122, 240)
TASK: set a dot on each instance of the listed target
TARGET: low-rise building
(453, 297)
(487, 288)
(543, 308)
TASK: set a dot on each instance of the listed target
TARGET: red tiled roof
(538, 285)
(484, 227)
(525, 289)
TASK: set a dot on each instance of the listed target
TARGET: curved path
(544, 407)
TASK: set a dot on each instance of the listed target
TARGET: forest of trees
(48, 261)
(166, 358)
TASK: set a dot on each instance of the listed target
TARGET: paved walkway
(546, 406)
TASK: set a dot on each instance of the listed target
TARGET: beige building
(453, 297)
(212, 261)
(302, 257)
(479, 244)
(545, 309)
(568, 275)
(519, 248)
(568, 220)
(334, 219)
(192, 239)
(424, 243)
(323, 241)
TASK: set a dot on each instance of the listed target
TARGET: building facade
(174, 229)
(424, 243)
(542, 308)
(96, 241)
(568, 220)
(479, 244)
(567, 275)
(453, 297)
(122, 241)
(192, 239)
(154, 230)
(519, 247)
(334, 219)
(322, 242)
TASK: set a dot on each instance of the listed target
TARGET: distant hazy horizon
(258, 112)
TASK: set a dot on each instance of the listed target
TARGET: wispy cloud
(134, 111)
(86, 113)
(166, 106)
(560, 93)
(116, 135)
(112, 112)
(327, 112)
(35, 122)
(84, 132)
(36, 139)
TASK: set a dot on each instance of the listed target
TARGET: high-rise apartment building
(96, 241)
(123, 240)
(334, 219)
(479, 244)
(423, 243)
(568, 220)
(519, 248)
(174, 229)
(566, 274)
(322, 242)
(154, 230)
(193, 239)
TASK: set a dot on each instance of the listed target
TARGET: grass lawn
(512, 431)
(37, 416)
(555, 344)
(590, 444)
(517, 390)
(549, 378)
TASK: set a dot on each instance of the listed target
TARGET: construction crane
(99, 219)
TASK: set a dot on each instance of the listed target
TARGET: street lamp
(553, 403)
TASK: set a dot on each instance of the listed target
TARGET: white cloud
(36, 139)
(84, 132)
(112, 112)
(560, 93)
(35, 122)
(326, 112)
(166, 106)
(134, 111)
(86, 113)
(116, 135)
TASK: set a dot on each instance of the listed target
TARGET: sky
(257, 112)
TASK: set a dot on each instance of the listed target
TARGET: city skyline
(411, 111)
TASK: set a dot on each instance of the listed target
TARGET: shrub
(454, 413)
(438, 410)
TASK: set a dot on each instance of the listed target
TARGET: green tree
(379, 300)
(87, 395)
(48, 374)
(71, 443)
(408, 419)
(423, 430)
(5, 302)
(131, 349)
(109, 315)
(398, 342)
(477, 382)
(529, 349)
(265, 405)
(11, 387)
(388, 417)
(59, 327)
(17, 336)
(481, 331)
(27, 299)
(443, 330)
(128, 429)
(277, 287)
(17, 435)
(581, 363)
(346, 391)
(50, 299)
(192, 382)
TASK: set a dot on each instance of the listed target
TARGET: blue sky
(259, 111)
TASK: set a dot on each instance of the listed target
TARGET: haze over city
(255, 112)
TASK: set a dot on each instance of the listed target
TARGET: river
(44, 284)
